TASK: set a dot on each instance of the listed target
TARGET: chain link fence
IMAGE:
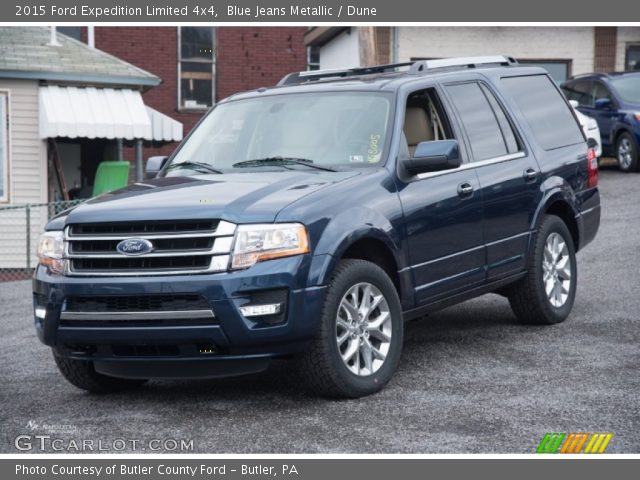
(20, 228)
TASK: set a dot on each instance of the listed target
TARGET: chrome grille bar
(87, 257)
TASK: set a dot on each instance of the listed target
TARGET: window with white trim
(4, 147)
(196, 68)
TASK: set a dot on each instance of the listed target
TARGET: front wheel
(627, 153)
(546, 294)
(358, 345)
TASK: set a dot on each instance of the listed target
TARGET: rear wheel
(627, 153)
(81, 374)
(546, 294)
(357, 348)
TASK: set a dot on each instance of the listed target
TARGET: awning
(110, 113)
(163, 127)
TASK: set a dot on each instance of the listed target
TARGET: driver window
(600, 91)
(424, 120)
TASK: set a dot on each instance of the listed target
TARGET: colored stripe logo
(581, 442)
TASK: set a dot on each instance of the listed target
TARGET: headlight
(51, 251)
(256, 243)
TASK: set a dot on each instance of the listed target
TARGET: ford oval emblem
(134, 246)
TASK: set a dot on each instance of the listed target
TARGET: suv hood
(235, 197)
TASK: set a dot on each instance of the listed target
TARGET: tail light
(592, 168)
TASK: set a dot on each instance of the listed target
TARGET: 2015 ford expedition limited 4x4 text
(311, 219)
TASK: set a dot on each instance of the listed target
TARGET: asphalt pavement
(472, 380)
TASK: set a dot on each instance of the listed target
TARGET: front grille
(178, 247)
(134, 303)
(144, 228)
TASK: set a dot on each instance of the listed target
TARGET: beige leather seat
(417, 127)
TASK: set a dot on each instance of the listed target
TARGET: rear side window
(479, 121)
(544, 109)
(580, 92)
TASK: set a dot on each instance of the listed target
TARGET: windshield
(295, 131)
(628, 88)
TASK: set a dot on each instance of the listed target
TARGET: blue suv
(310, 220)
(614, 101)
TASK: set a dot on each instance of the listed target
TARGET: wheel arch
(374, 245)
(560, 204)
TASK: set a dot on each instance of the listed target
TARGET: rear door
(509, 175)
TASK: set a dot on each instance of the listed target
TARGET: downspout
(394, 45)
(91, 37)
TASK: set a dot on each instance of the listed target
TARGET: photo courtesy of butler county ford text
(329, 234)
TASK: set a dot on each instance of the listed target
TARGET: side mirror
(603, 104)
(154, 165)
(434, 156)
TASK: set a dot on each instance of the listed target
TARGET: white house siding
(626, 36)
(341, 52)
(28, 174)
(539, 43)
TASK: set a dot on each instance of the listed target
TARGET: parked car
(589, 128)
(613, 100)
(311, 219)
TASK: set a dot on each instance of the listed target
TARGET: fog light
(40, 312)
(260, 310)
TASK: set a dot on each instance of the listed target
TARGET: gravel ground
(471, 380)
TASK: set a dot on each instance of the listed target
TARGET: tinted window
(600, 91)
(559, 70)
(544, 109)
(479, 121)
(580, 92)
(628, 87)
(507, 130)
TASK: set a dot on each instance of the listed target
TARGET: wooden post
(367, 40)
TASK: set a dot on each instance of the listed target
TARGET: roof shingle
(25, 53)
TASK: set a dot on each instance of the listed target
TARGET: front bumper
(229, 344)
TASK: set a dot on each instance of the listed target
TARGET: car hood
(235, 197)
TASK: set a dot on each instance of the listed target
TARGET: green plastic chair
(111, 175)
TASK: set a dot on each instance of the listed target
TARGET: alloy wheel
(625, 152)
(363, 329)
(556, 267)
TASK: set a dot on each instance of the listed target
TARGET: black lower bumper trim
(182, 368)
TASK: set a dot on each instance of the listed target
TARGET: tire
(81, 374)
(627, 153)
(528, 298)
(322, 367)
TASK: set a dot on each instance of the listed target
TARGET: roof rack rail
(311, 75)
(465, 62)
(415, 68)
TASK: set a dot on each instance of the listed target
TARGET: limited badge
(356, 158)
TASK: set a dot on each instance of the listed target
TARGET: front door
(443, 210)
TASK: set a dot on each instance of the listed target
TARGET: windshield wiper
(195, 166)
(281, 161)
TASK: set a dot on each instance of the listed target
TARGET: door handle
(465, 189)
(530, 174)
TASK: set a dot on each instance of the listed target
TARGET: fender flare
(341, 232)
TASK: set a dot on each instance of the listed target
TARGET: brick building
(199, 65)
